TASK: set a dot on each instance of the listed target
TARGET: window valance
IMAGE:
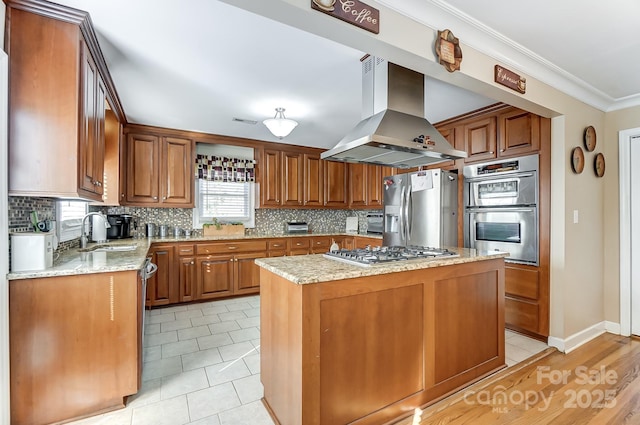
(225, 169)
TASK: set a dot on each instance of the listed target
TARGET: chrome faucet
(83, 236)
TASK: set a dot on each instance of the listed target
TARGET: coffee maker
(120, 226)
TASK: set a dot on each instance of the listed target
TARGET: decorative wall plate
(598, 165)
(577, 160)
(590, 138)
(448, 50)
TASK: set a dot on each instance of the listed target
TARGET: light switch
(575, 217)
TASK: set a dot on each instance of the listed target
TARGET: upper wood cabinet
(271, 178)
(159, 171)
(365, 185)
(313, 180)
(480, 139)
(518, 133)
(335, 184)
(292, 179)
(58, 91)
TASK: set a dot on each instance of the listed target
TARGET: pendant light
(279, 125)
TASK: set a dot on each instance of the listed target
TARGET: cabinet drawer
(299, 243)
(521, 314)
(522, 282)
(324, 242)
(236, 246)
(186, 250)
(278, 245)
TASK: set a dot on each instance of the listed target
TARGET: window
(226, 201)
(69, 215)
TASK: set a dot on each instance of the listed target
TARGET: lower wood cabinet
(74, 344)
(216, 269)
(214, 276)
(161, 289)
(526, 300)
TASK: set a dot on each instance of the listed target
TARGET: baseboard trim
(612, 327)
(580, 338)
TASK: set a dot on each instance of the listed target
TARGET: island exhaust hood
(394, 132)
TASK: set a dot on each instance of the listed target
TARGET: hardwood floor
(595, 384)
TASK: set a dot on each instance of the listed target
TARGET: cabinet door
(519, 133)
(357, 185)
(292, 176)
(142, 169)
(375, 191)
(313, 181)
(187, 278)
(271, 180)
(450, 135)
(214, 276)
(177, 181)
(161, 288)
(480, 139)
(320, 244)
(88, 143)
(99, 157)
(335, 184)
(247, 273)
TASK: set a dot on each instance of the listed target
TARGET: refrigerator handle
(402, 217)
(409, 211)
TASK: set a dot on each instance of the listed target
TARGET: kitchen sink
(110, 248)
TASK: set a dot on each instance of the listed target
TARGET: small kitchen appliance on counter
(374, 223)
(296, 227)
(120, 226)
(352, 225)
(385, 254)
(31, 251)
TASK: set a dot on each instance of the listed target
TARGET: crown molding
(438, 14)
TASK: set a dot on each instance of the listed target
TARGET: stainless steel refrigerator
(421, 209)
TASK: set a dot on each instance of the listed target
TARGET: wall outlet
(576, 218)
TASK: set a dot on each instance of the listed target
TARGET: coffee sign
(352, 11)
(510, 79)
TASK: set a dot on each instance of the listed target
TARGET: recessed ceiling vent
(244, 121)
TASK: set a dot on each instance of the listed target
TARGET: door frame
(624, 160)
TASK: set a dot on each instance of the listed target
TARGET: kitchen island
(348, 344)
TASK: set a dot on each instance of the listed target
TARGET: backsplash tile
(174, 217)
(320, 221)
(20, 208)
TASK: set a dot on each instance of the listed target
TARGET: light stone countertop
(74, 261)
(305, 269)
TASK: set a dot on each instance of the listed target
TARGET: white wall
(4, 242)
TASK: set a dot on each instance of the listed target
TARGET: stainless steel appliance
(420, 209)
(380, 255)
(120, 226)
(394, 130)
(501, 208)
(296, 227)
(375, 223)
(148, 269)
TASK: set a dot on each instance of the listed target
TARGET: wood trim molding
(491, 109)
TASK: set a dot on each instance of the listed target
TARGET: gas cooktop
(385, 254)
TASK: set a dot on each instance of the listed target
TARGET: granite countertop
(76, 261)
(306, 269)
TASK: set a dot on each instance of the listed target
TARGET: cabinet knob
(501, 150)
(155, 198)
(122, 195)
(192, 263)
(164, 198)
(232, 247)
(491, 152)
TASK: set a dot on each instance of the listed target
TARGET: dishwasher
(148, 269)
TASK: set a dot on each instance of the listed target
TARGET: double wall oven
(501, 208)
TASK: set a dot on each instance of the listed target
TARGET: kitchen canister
(164, 230)
(151, 230)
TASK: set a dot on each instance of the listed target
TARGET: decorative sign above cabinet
(510, 79)
(448, 50)
(352, 11)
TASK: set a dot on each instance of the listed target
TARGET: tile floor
(202, 366)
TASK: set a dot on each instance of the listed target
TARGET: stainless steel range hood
(394, 131)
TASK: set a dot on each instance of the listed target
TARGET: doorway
(629, 153)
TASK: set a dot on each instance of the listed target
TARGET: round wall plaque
(590, 138)
(598, 165)
(577, 160)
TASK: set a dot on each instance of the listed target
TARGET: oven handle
(503, 209)
(500, 178)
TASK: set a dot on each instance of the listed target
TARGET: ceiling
(199, 67)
